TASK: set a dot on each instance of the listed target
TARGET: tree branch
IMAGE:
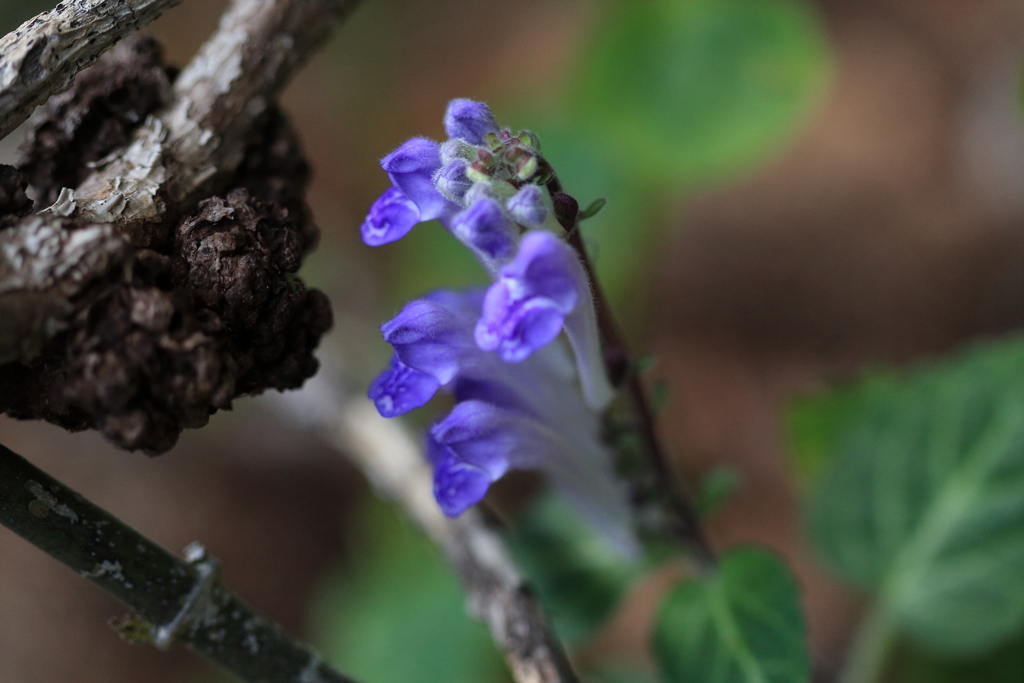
(180, 601)
(393, 460)
(681, 519)
(188, 151)
(46, 274)
(41, 57)
(196, 143)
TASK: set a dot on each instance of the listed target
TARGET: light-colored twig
(191, 148)
(394, 461)
(195, 144)
(41, 57)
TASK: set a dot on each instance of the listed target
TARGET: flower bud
(456, 148)
(527, 207)
(411, 168)
(484, 227)
(451, 180)
(469, 120)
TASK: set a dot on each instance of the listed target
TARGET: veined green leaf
(742, 625)
(923, 502)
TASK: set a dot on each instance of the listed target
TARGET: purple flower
(543, 289)
(411, 168)
(457, 485)
(484, 228)
(390, 218)
(451, 180)
(401, 388)
(524, 310)
(527, 415)
(432, 180)
(478, 442)
(430, 335)
(527, 207)
(519, 403)
(469, 120)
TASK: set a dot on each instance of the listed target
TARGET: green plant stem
(177, 601)
(869, 652)
(683, 523)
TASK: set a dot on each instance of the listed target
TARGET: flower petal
(411, 168)
(484, 228)
(400, 389)
(469, 120)
(457, 485)
(432, 338)
(524, 310)
(527, 207)
(490, 440)
(390, 218)
(451, 180)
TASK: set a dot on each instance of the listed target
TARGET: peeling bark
(198, 141)
(79, 128)
(46, 274)
(42, 56)
(194, 146)
(208, 309)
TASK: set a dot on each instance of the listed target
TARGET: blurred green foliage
(430, 258)
(688, 90)
(619, 236)
(396, 613)
(922, 502)
(715, 488)
(814, 424)
(742, 624)
(623, 674)
(669, 94)
(914, 665)
(577, 574)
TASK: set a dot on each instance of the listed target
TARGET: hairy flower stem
(683, 521)
(178, 602)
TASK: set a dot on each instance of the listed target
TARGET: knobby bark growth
(158, 284)
(159, 337)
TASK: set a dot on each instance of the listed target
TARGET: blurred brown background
(891, 227)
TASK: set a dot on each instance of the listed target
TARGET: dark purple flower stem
(683, 522)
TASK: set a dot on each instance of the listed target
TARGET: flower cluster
(522, 400)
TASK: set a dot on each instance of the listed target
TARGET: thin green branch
(682, 520)
(870, 649)
(178, 602)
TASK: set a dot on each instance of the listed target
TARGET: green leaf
(593, 208)
(923, 502)
(813, 423)
(398, 615)
(715, 489)
(742, 625)
(577, 574)
(688, 89)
